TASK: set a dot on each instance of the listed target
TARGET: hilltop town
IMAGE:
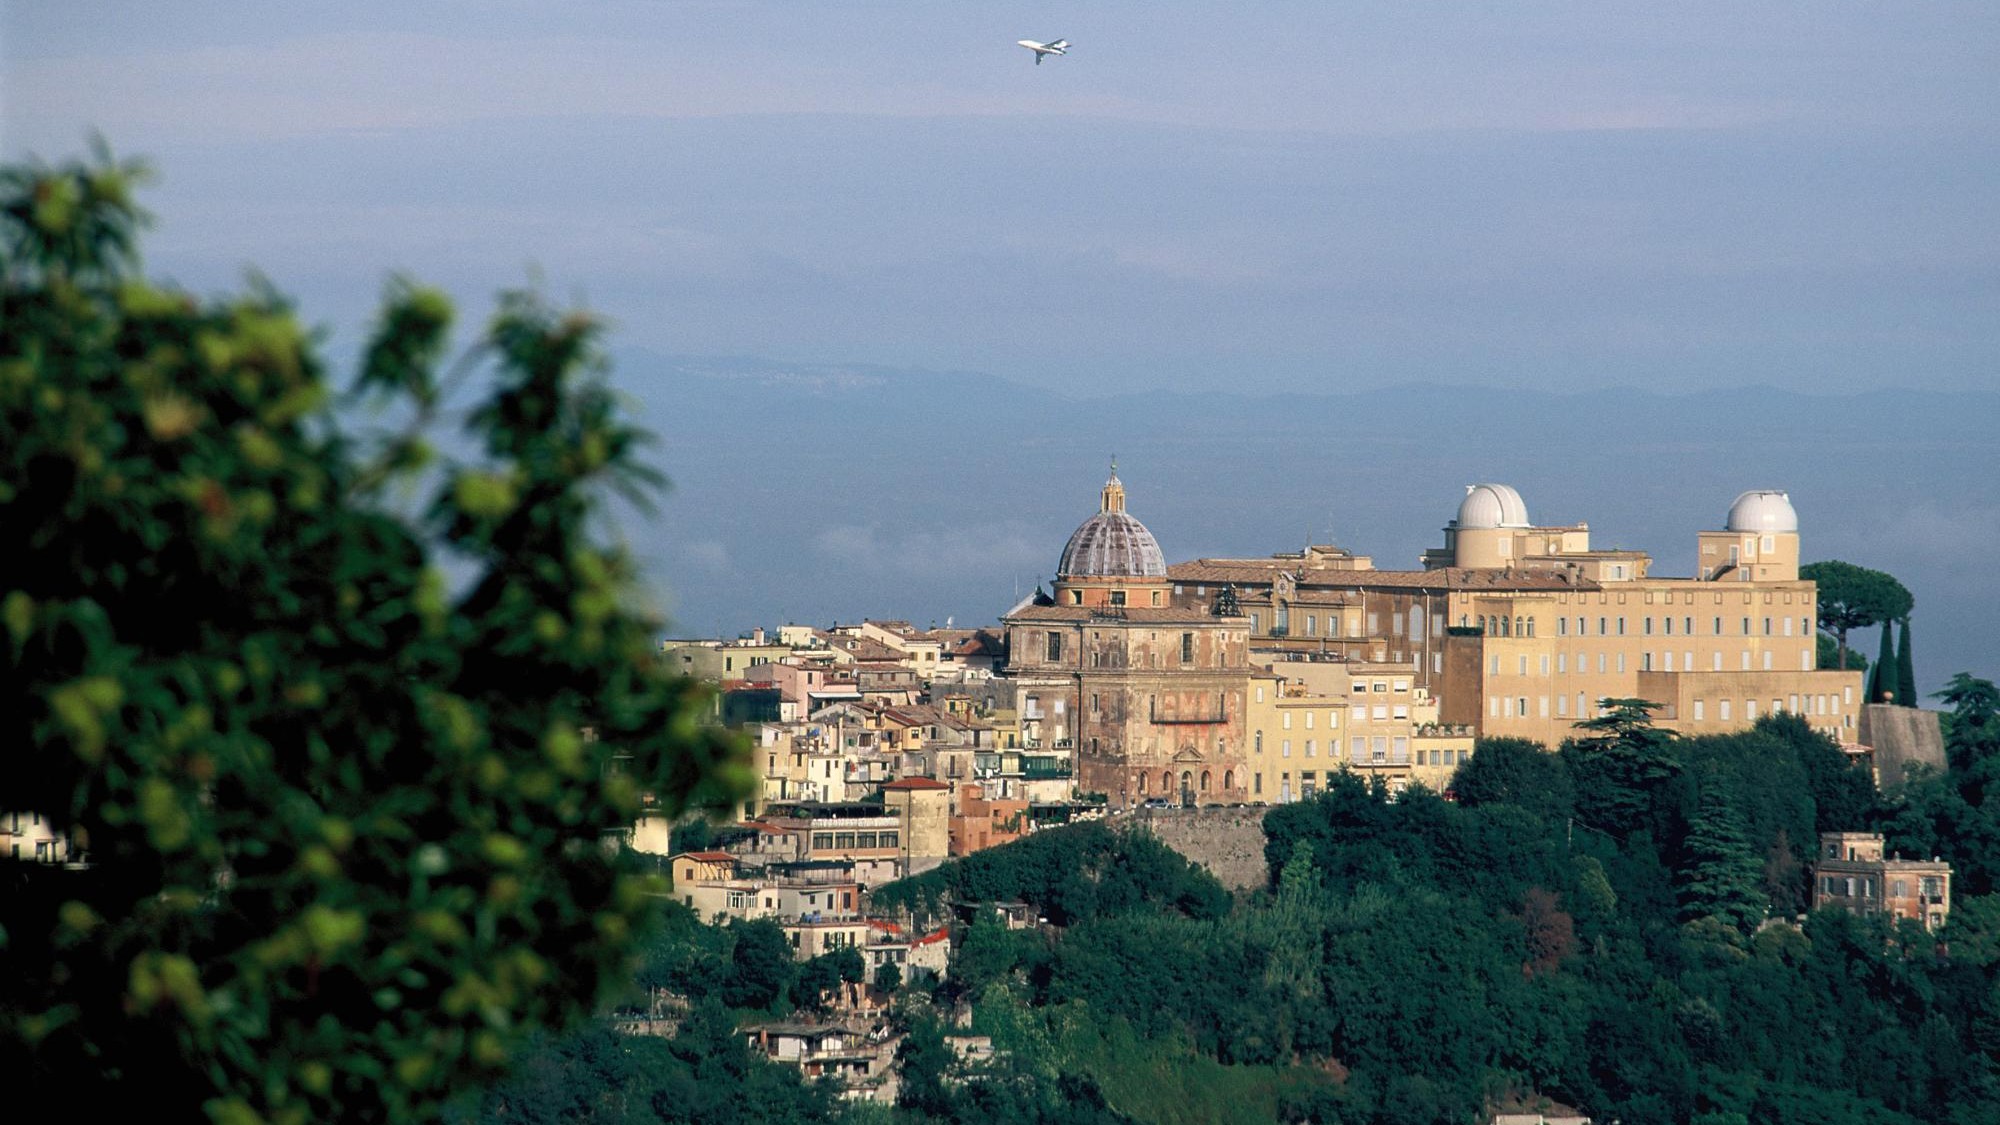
(1226, 681)
(1193, 697)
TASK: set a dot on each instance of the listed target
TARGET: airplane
(1058, 47)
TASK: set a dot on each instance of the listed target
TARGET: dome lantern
(1112, 544)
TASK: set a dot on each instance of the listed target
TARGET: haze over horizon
(1209, 222)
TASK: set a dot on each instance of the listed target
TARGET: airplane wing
(1038, 57)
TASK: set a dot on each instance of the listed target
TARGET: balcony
(1210, 718)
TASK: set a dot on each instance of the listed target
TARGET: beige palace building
(1520, 630)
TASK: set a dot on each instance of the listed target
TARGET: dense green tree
(1719, 876)
(1855, 597)
(889, 976)
(1972, 729)
(1072, 874)
(1515, 771)
(1842, 790)
(1955, 814)
(925, 1065)
(697, 834)
(988, 951)
(1619, 765)
(1830, 655)
(343, 815)
(1906, 669)
(821, 976)
(703, 1075)
(1883, 677)
(761, 970)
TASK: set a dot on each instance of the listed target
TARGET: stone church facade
(1148, 696)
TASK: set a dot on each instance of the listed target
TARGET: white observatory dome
(1489, 506)
(1763, 510)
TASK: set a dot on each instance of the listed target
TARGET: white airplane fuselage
(1057, 47)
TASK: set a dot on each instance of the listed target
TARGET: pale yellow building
(1311, 719)
(717, 661)
(1521, 630)
(923, 805)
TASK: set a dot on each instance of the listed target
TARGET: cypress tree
(1882, 678)
(1906, 670)
(1720, 877)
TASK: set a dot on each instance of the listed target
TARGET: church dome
(1761, 510)
(1112, 544)
(1489, 506)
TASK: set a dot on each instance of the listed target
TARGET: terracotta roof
(885, 927)
(916, 783)
(927, 939)
(979, 642)
(867, 649)
(709, 857)
(1219, 572)
(1114, 615)
(760, 826)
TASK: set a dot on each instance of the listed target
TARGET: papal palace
(1226, 680)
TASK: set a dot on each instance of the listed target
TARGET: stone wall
(1901, 737)
(1229, 842)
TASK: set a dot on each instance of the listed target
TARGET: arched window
(1259, 739)
(1229, 779)
(1167, 782)
(1204, 781)
(1142, 784)
(1187, 784)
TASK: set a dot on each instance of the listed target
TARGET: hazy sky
(1266, 196)
(1202, 198)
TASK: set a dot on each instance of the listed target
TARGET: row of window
(1190, 782)
(1608, 626)
(1053, 649)
(1373, 750)
(1648, 662)
(1499, 706)
(1362, 687)
(1811, 704)
(1281, 623)
(1117, 597)
(1380, 712)
(1309, 779)
(1687, 597)
(833, 841)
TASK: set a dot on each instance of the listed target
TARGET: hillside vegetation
(1613, 926)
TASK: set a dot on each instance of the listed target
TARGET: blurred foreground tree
(343, 826)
